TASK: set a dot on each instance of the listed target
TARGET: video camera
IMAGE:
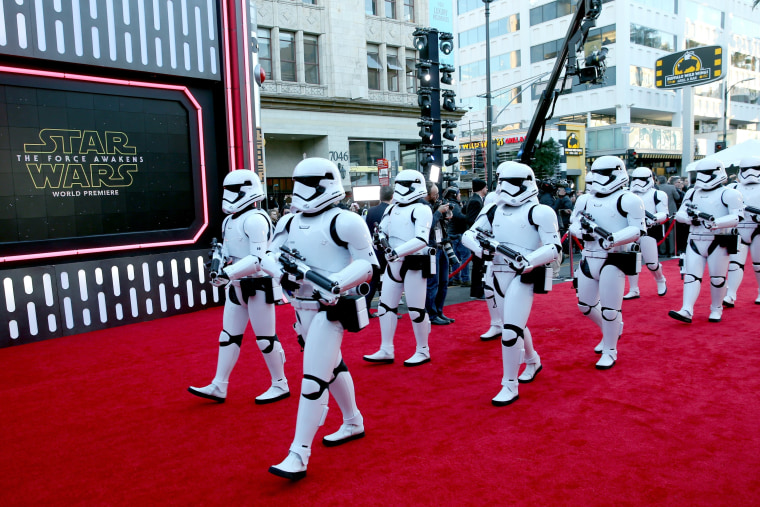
(551, 185)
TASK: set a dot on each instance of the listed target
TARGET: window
(373, 67)
(411, 74)
(370, 7)
(499, 27)
(652, 38)
(409, 10)
(545, 51)
(311, 59)
(264, 38)
(288, 56)
(550, 11)
(663, 5)
(390, 9)
(503, 62)
(394, 69)
(641, 76)
(599, 37)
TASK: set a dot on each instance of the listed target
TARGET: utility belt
(729, 241)
(424, 263)
(540, 277)
(627, 262)
(350, 311)
(272, 291)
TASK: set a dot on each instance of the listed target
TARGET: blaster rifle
(751, 209)
(587, 222)
(381, 241)
(693, 211)
(217, 259)
(294, 263)
(487, 241)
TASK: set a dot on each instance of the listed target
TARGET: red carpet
(104, 418)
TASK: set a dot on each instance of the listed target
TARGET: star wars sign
(693, 67)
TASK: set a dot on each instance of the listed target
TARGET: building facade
(341, 84)
(627, 111)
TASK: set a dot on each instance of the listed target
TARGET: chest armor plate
(648, 198)
(751, 196)
(310, 235)
(710, 202)
(512, 227)
(605, 212)
(236, 241)
(400, 226)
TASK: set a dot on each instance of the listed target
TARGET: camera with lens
(449, 251)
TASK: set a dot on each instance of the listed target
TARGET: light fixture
(426, 155)
(420, 39)
(448, 100)
(447, 74)
(426, 131)
(446, 42)
(423, 70)
(425, 99)
(449, 126)
(450, 151)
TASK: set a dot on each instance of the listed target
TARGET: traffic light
(720, 145)
(480, 158)
(631, 158)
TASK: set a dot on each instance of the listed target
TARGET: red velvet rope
(461, 266)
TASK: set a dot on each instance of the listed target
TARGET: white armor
(601, 279)
(711, 237)
(495, 324)
(748, 184)
(250, 293)
(523, 225)
(335, 244)
(407, 225)
(655, 204)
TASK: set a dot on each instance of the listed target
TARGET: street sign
(383, 172)
(693, 67)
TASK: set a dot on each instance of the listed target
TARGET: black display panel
(86, 164)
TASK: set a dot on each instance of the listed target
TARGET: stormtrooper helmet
(710, 173)
(609, 174)
(409, 186)
(749, 171)
(241, 189)
(517, 183)
(317, 185)
(641, 180)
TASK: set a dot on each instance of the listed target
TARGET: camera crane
(587, 11)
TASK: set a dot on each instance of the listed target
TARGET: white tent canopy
(734, 154)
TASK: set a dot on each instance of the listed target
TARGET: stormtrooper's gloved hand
(221, 279)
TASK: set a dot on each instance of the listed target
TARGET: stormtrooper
(656, 214)
(250, 293)
(713, 212)
(609, 219)
(521, 236)
(406, 223)
(324, 255)
(748, 184)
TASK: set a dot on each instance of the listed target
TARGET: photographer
(456, 226)
(547, 194)
(437, 285)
